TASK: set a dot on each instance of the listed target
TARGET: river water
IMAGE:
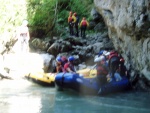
(22, 96)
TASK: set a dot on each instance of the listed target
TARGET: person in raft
(69, 66)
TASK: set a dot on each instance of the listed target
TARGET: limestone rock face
(128, 23)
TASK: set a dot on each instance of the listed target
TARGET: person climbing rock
(83, 25)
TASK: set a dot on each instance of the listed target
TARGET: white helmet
(98, 59)
(25, 22)
(107, 53)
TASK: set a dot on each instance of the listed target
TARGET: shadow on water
(31, 98)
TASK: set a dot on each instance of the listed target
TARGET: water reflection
(31, 98)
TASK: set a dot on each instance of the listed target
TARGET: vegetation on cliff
(46, 17)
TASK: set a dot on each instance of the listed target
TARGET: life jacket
(74, 19)
(84, 23)
(68, 65)
(102, 70)
(70, 19)
(64, 60)
(112, 54)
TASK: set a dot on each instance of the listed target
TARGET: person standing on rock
(83, 25)
(23, 36)
(76, 23)
(70, 23)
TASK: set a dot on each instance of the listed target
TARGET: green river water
(22, 96)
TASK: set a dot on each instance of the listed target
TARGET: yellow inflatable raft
(48, 79)
(88, 73)
(44, 79)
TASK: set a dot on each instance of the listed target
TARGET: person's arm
(87, 23)
(69, 70)
(57, 69)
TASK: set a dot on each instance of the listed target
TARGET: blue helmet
(71, 58)
(100, 53)
(58, 59)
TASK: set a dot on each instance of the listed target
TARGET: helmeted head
(58, 59)
(75, 14)
(25, 23)
(106, 53)
(101, 52)
(99, 59)
(71, 59)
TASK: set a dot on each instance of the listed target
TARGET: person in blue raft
(106, 69)
(102, 70)
(69, 66)
(60, 62)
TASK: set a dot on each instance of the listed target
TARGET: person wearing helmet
(59, 67)
(113, 62)
(83, 25)
(76, 23)
(102, 70)
(69, 66)
(100, 53)
(60, 62)
(70, 23)
(105, 54)
(23, 36)
(64, 60)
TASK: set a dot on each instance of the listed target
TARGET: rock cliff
(128, 24)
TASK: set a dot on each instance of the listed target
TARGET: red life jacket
(70, 18)
(112, 54)
(84, 23)
(101, 70)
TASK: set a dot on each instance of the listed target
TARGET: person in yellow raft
(83, 25)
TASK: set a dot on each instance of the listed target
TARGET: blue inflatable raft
(89, 85)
